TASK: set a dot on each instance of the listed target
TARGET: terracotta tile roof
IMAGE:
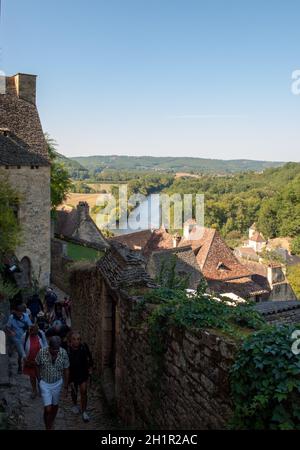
(186, 264)
(247, 252)
(135, 241)
(159, 240)
(22, 120)
(274, 265)
(216, 260)
(257, 237)
(256, 268)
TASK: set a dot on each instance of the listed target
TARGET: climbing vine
(176, 308)
(265, 381)
(265, 377)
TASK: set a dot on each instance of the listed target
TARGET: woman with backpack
(33, 341)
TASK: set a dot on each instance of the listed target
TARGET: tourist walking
(58, 313)
(18, 323)
(52, 372)
(50, 299)
(57, 328)
(81, 364)
(33, 341)
(42, 322)
(35, 305)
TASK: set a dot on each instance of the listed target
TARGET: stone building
(225, 271)
(24, 162)
(273, 276)
(257, 242)
(77, 225)
(186, 266)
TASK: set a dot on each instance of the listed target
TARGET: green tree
(61, 184)
(267, 219)
(10, 229)
(293, 275)
(295, 247)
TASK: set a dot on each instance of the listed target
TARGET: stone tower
(24, 162)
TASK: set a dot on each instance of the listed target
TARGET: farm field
(73, 200)
(186, 174)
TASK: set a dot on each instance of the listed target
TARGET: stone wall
(34, 216)
(192, 391)
(60, 264)
(282, 291)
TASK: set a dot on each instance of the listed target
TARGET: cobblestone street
(27, 414)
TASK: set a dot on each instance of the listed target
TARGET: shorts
(50, 392)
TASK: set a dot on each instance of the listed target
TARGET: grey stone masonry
(33, 185)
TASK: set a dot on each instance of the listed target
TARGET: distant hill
(180, 164)
(75, 169)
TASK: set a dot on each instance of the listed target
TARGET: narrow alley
(27, 414)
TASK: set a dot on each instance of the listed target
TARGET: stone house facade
(25, 164)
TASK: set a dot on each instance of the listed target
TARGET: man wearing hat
(52, 373)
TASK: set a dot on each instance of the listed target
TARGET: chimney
(275, 274)
(83, 210)
(188, 227)
(25, 87)
(176, 240)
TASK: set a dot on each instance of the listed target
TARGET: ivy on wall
(265, 378)
(265, 381)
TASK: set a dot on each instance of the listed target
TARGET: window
(222, 266)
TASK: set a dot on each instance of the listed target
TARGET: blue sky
(206, 78)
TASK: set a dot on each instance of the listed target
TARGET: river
(146, 215)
